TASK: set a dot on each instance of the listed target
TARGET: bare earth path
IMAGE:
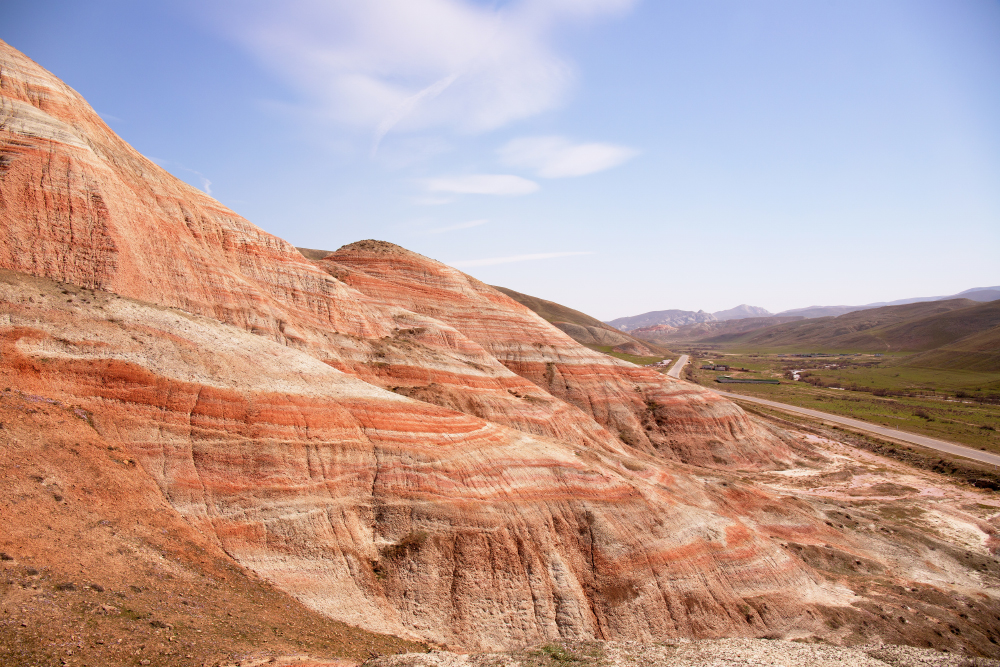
(923, 441)
(683, 653)
(675, 371)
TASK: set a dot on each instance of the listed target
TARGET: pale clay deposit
(709, 653)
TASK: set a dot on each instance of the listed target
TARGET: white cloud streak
(407, 106)
(403, 65)
(206, 185)
(514, 258)
(557, 157)
(482, 184)
(453, 228)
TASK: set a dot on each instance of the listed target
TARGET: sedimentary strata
(390, 441)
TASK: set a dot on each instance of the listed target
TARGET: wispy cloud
(482, 184)
(206, 185)
(557, 157)
(407, 106)
(452, 228)
(514, 258)
(415, 64)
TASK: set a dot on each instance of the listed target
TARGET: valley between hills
(219, 450)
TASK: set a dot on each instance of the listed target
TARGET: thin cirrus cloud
(482, 184)
(557, 157)
(490, 261)
(454, 228)
(206, 185)
(404, 65)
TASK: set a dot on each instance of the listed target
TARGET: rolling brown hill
(976, 352)
(583, 328)
(908, 328)
(371, 437)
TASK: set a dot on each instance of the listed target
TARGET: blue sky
(616, 156)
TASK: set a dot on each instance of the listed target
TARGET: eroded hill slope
(394, 514)
(643, 408)
(391, 442)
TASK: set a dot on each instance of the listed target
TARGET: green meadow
(961, 406)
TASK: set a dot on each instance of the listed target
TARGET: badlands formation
(218, 427)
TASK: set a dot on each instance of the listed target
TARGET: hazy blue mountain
(674, 318)
(679, 318)
(740, 312)
(982, 294)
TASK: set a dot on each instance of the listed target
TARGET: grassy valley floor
(959, 406)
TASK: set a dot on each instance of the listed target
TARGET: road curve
(675, 370)
(923, 441)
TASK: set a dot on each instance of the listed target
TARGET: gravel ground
(710, 653)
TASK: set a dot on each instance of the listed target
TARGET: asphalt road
(923, 441)
(675, 370)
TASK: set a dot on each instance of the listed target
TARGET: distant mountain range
(667, 335)
(673, 318)
(740, 312)
(681, 318)
(946, 334)
(982, 294)
(951, 334)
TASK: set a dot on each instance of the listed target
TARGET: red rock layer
(80, 205)
(223, 375)
(645, 409)
(394, 514)
(97, 568)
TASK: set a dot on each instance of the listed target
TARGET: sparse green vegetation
(957, 405)
(558, 653)
(553, 654)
